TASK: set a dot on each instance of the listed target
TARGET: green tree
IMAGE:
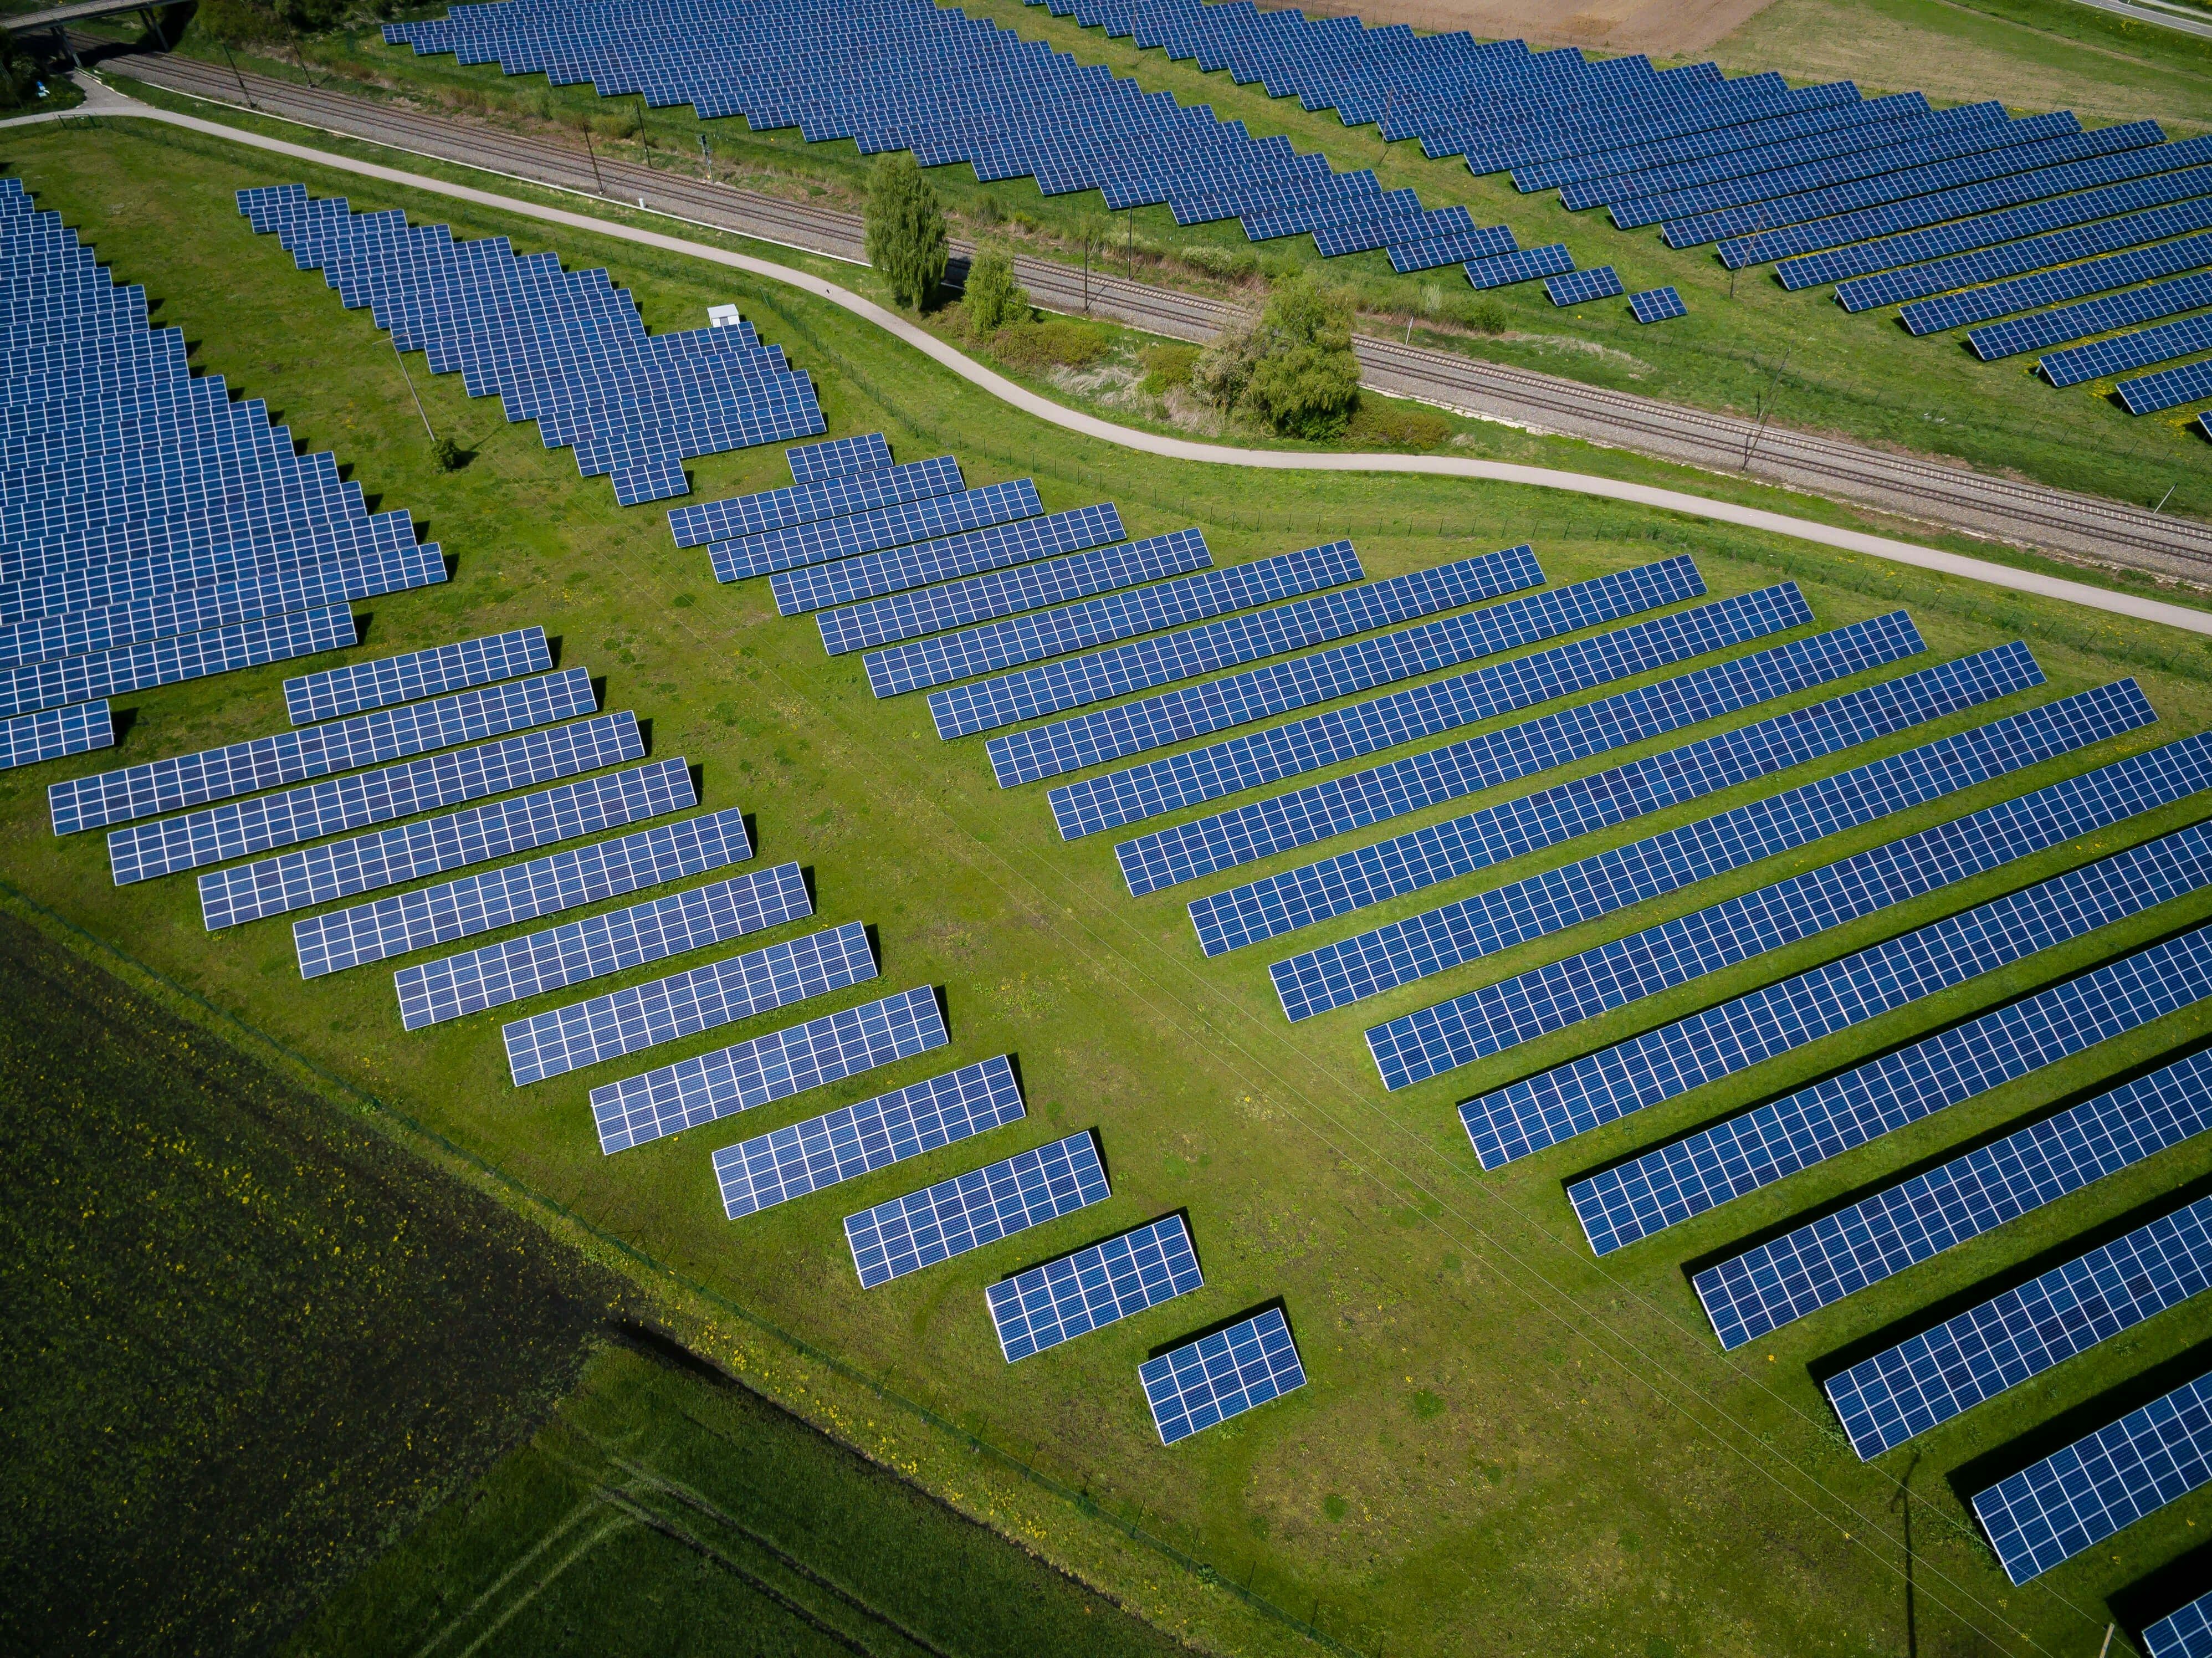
(994, 298)
(1305, 383)
(907, 239)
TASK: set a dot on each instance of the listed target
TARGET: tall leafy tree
(907, 239)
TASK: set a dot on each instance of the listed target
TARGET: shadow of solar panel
(172, 661)
(2014, 1336)
(815, 541)
(721, 992)
(336, 692)
(850, 580)
(2100, 1484)
(596, 945)
(1451, 936)
(970, 1211)
(1229, 920)
(1760, 1147)
(1579, 287)
(804, 503)
(1220, 1376)
(1656, 304)
(295, 756)
(1839, 1254)
(995, 593)
(243, 828)
(1102, 1284)
(2184, 1634)
(683, 1095)
(53, 732)
(811, 462)
(858, 1139)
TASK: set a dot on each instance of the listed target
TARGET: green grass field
(1858, 376)
(1504, 1442)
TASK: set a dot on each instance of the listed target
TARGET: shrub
(1056, 340)
(1167, 367)
(907, 239)
(994, 298)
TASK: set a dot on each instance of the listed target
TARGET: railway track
(1923, 490)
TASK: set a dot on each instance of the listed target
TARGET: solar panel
(336, 692)
(721, 992)
(1367, 875)
(1220, 1376)
(1174, 716)
(2184, 1634)
(295, 756)
(240, 829)
(1233, 641)
(1825, 1121)
(53, 732)
(906, 615)
(544, 886)
(839, 457)
(1839, 1254)
(1102, 1284)
(596, 945)
(767, 1068)
(1394, 789)
(1030, 638)
(970, 1211)
(2013, 1337)
(1673, 952)
(804, 503)
(2101, 1483)
(1657, 305)
(858, 1139)
(172, 661)
(847, 581)
(1580, 287)
(1303, 745)
(812, 543)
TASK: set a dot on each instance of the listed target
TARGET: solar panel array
(522, 892)
(1442, 939)
(295, 756)
(995, 593)
(152, 530)
(336, 692)
(566, 349)
(432, 846)
(1690, 1176)
(1657, 305)
(1107, 1282)
(753, 1074)
(721, 992)
(970, 1211)
(1578, 287)
(1368, 875)
(1220, 1376)
(1032, 637)
(1247, 834)
(266, 823)
(1839, 1254)
(2183, 1634)
(1157, 786)
(1033, 693)
(858, 1139)
(614, 942)
(1722, 1041)
(2019, 1334)
(2110, 1479)
(1174, 716)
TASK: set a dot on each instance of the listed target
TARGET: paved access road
(1928, 491)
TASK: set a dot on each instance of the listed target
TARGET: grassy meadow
(1504, 1442)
